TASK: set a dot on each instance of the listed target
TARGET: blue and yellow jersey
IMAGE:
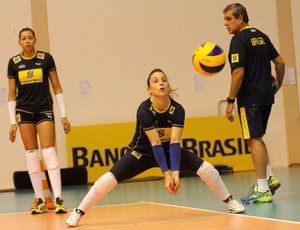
(253, 50)
(31, 74)
(148, 117)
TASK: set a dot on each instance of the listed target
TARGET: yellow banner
(215, 139)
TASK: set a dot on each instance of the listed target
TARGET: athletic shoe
(234, 206)
(60, 206)
(74, 218)
(254, 196)
(274, 184)
(40, 207)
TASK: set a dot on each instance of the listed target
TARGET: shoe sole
(60, 211)
(256, 201)
(71, 225)
(236, 212)
(35, 212)
(274, 187)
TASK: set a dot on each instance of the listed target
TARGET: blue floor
(193, 193)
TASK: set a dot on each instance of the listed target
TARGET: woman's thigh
(131, 165)
(46, 132)
(29, 136)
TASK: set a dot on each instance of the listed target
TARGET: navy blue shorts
(34, 118)
(254, 120)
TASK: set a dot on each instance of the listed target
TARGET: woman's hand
(66, 125)
(13, 133)
(172, 182)
(176, 183)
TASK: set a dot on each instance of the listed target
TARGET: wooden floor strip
(145, 216)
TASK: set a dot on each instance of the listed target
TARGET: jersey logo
(18, 117)
(41, 56)
(17, 59)
(257, 41)
(161, 132)
(136, 154)
(22, 66)
(49, 115)
(172, 109)
(152, 109)
(164, 134)
(234, 58)
(31, 76)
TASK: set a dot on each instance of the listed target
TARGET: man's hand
(229, 111)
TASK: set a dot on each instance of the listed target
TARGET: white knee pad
(50, 157)
(105, 183)
(33, 161)
(208, 173)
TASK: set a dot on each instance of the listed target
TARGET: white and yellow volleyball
(209, 59)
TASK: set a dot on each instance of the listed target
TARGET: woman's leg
(46, 131)
(130, 165)
(29, 138)
(127, 167)
(207, 172)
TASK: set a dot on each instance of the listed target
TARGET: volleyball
(209, 59)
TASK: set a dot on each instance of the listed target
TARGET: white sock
(262, 185)
(100, 188)
(34, 170)
(51, 161)
(212, 178)
(269, 171)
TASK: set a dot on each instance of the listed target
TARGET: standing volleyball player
(30, 108)
(250, 55)
(156, 143)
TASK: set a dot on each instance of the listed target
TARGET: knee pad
(50, 157)
(33, 161)
(105, 183)
(208, 173)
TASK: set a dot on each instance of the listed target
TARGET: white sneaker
(73, 219)
(234, 206)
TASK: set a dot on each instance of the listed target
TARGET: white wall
(295, 5)
(14, 14)
(114, 44)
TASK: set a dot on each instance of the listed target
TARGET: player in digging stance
(156, 143)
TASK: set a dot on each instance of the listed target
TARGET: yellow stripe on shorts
(244, 123)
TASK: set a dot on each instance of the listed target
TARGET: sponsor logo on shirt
(30, 76)
(17, 59)
(234, 58)
(257, 41)
(22, 66)
(40, 56)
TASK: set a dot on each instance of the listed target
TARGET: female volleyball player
(30, 107)
(156, 143)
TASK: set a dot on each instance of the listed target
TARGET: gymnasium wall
(105, 49)
(14, 15)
